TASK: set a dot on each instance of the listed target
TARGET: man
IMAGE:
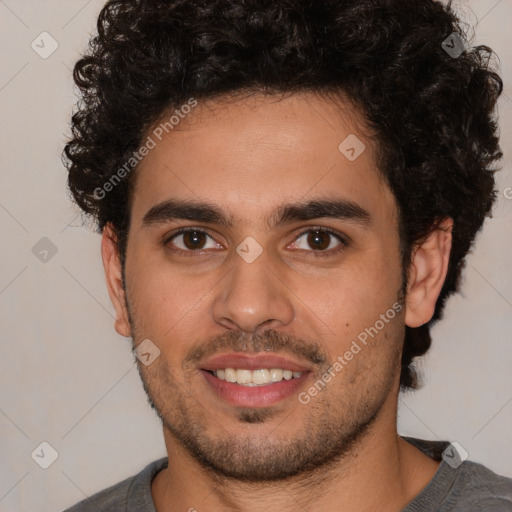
(287, 191)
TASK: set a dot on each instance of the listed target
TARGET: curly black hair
(431, 109)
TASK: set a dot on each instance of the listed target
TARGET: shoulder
(112, 498)
(460, 485)
(493, 492)
(133, 493)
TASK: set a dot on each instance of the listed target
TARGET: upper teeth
(255, 377)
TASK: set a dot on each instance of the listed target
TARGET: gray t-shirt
(464, 487)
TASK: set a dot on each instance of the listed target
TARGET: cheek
(351, 300)
(361, 286)
(163, 299)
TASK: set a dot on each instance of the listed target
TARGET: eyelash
(343, 241)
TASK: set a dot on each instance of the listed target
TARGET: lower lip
(254, 396)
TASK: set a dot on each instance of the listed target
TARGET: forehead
(250, 154)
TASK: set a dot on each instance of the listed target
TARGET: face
(274, 251)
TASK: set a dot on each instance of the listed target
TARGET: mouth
(253, 381)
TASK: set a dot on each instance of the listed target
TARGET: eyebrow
(174, 209)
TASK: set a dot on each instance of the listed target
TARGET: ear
(113, 275)
(427, 273)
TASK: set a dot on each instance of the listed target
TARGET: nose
(252, 296)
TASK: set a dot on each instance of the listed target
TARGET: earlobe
(427, 273)
(113, 276)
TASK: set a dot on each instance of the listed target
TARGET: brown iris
(318, 239)
(194, 240)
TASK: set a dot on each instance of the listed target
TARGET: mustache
(267, 341)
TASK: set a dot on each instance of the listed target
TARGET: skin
(341, 451)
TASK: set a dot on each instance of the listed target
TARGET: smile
(254, 388)
(259, 377)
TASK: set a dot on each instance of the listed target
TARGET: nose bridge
(252, 294)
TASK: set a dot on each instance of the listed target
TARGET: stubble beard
(332, 429)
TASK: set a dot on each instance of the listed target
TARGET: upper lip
(252, 362)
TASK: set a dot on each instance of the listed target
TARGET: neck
(381, 472)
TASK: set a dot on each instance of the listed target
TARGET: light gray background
(67, 378)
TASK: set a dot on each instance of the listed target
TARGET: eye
(190, 240)
(321, 240)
